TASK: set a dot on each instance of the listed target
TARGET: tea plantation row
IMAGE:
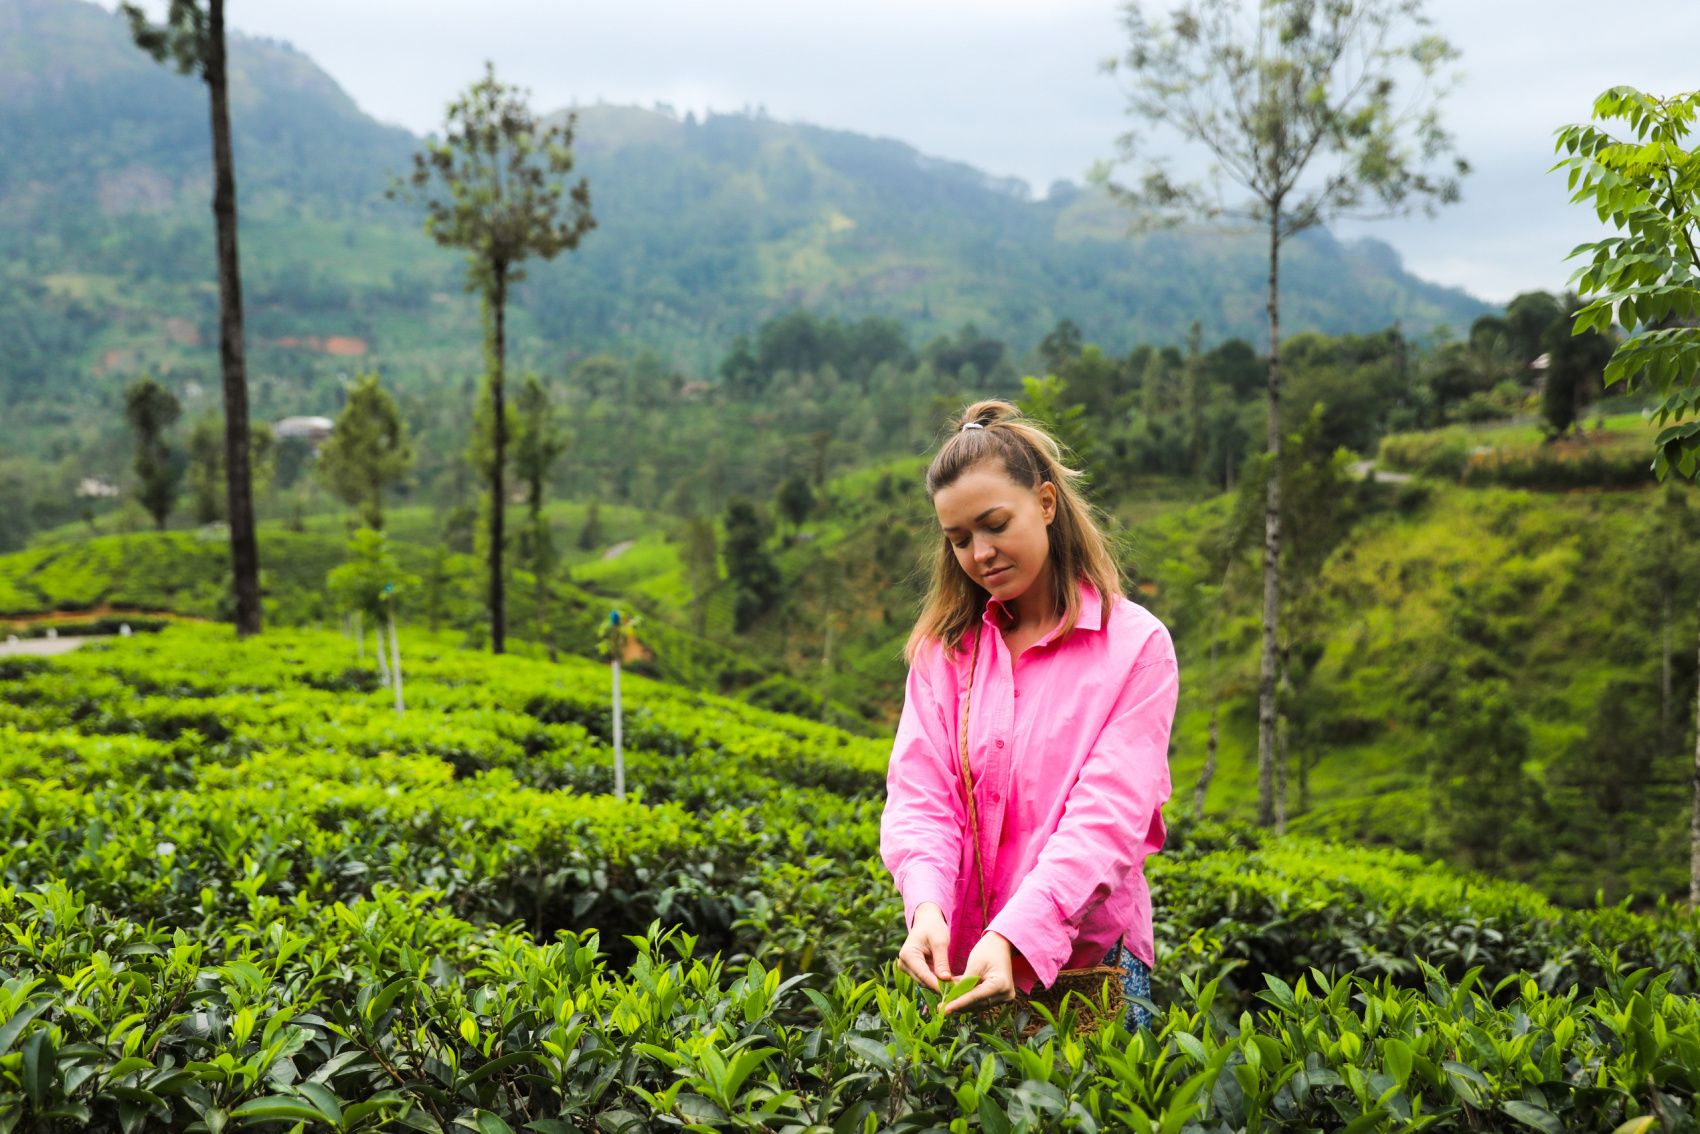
(238, 891)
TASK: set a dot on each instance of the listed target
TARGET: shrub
(1440, 454)
(1561, 465)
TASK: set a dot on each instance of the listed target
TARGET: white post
(359, 639)
(395, 661)
(383, 659)
(619, 757)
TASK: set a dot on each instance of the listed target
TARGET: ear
(1048, 501)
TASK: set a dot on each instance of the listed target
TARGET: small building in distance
(311, 429)
(97, 486)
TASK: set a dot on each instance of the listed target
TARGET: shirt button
(1018, 692)
(996, 798)
(1000, 744)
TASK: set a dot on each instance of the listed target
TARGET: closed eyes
(963, 544)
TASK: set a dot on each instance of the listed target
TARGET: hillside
(94, 584)
(705, 228)
(241, 887)
(1477, 673)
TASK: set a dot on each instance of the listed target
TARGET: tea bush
(1440, 453)
(238, 890)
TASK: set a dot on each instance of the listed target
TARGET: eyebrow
(977, 519)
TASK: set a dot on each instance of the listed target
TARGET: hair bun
(988, 413)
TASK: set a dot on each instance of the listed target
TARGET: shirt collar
(1091, 611)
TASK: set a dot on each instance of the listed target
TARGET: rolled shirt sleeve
(921, 828)
(1111, 820)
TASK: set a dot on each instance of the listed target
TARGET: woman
(1072, 699)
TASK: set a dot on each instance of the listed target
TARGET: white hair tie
(971, 425)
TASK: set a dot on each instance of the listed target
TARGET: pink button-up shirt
(1069, 748)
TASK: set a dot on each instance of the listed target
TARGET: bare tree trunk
(499, 444)
(244, 549)
(1271, 544)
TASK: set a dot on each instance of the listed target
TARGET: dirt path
(94, 612)
(1382, 476)
(46, 647)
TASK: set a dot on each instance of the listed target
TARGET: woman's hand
(926, 954)
(993, 962)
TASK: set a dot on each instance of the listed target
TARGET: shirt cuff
(922, 886)
(1032, 925)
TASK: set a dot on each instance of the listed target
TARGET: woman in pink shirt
(1073, 696)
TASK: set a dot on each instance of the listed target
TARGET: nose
(984, 552)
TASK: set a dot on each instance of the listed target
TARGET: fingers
(926, 957)
(914, 961)
(989, 991)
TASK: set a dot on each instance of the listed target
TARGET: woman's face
(997, 528)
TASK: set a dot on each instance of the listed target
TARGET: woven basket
(1094, 996)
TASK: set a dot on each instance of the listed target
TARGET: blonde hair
(1079, 550)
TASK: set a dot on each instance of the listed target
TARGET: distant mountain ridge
(705, 229)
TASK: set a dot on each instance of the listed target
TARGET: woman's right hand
(926, 954)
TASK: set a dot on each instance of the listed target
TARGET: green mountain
(706, 228)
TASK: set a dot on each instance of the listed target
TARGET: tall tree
(1647, 185)
(750, 569)
(1527, 318)
(491, 186)
(368, 450)
(1061, 346)
(192, 38)
(539, 444)
(1575, 364)
(1294, 101)
(1318, 506)
(150, 409)
(796, 501)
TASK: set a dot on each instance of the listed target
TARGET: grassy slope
(1538, 578)
(1545, 573)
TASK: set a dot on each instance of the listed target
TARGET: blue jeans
(1136, 981)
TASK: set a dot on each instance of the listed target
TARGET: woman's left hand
(992, 961)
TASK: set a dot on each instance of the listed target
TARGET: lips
(994, 576)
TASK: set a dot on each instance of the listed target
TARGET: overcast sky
(1011, 86)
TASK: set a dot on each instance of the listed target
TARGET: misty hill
(705, 229)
